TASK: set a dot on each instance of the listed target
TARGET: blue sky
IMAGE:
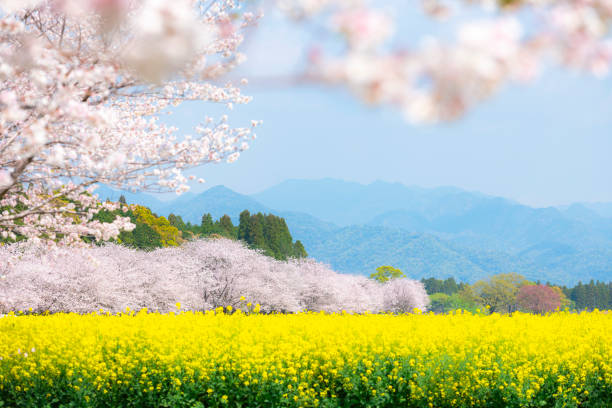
(548, 143)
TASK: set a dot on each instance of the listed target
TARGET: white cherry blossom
(201, 275)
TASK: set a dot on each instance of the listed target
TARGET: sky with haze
(547, 143)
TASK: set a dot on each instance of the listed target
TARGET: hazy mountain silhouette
(425, 232)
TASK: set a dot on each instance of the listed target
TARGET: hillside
(347, 203)
(438, 232)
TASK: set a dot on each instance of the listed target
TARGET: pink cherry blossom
(81, 102)
(201, 275)
(363, 28)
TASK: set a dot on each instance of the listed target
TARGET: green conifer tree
(207, 226)
(244, 227)
(298, 250)
(226, 227)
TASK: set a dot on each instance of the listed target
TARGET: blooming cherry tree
(201, 275)
(84, 85)
(538, 298)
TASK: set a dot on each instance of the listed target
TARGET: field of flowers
(217, 359)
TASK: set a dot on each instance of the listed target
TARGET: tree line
(589, 296)
(507, 293)
(266, 232)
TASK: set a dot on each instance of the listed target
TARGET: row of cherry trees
(201, 275)
(85, 83)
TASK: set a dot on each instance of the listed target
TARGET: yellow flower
(307, 356)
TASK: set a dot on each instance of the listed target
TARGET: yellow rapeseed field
(309, 359)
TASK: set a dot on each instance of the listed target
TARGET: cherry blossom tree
(201, 275)
(85, 84)
(538, 298)
(403, 295)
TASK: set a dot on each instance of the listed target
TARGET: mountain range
(439, 232)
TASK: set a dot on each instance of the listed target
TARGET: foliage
(590, 296)
(169, 235)
(565, 302)
(530, 297)
(207, 226)
(298, 250)
(538, 298)
(269, 233)
(443, 303)
(177, 222)
(266, 232)
(447, 295)
(202, 275)
(150, 230)
(448, 286)
(441, 233)
(498, 292)
(141, 237)
(247, 359)
(385, 273)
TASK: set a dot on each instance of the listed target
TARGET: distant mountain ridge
(439, 232)
(218, 201)
(349, 203)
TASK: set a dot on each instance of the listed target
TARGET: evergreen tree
(432, 285)
(579, 296)
(177, 222)
(285, 239)
(145, 237)
(122, 199)
(188, 230)
(245, 227)
(591, 295)
(298, 250)
(270, 234)
(257, 238)
(448, 286)
(566, 291)
(225, 227)
(277, 236)
(602, 295)
(207, 226)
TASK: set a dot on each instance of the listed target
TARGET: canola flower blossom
(248, 359)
